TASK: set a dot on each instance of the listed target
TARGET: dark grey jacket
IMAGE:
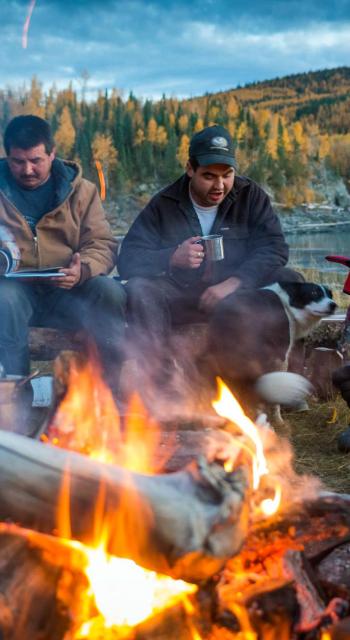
(254, 244)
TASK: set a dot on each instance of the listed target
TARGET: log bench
(45, 344)
(320, 349)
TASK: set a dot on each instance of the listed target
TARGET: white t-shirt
(206, 216)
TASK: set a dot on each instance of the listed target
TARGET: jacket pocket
(234, 232)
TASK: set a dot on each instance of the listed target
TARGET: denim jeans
(97, 306)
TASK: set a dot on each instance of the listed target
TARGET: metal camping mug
(213, 247)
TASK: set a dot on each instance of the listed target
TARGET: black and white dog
(252, 333)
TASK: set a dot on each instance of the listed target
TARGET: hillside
(292, 134)
(319, 94)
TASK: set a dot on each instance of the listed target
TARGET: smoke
(167, 377)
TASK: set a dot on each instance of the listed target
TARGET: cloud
(173, 46)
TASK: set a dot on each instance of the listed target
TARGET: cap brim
(212, 158)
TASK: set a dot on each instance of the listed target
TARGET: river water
(309, 248)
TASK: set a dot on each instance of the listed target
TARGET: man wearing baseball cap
(163, 257)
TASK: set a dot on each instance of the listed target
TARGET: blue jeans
(97, 306)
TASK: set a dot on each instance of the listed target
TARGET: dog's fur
(252, 334)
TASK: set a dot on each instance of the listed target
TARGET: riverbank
(316, 218)
(123, 210)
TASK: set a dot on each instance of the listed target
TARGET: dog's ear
(292, 288)
(328, 292)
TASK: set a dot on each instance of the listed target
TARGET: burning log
(28, 604)
(191, 521)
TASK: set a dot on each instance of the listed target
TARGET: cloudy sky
(176, 47)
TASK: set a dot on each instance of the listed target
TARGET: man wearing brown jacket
(52, 217)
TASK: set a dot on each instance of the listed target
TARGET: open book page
(48, 272)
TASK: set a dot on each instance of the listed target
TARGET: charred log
(28, 585)
(191, 521)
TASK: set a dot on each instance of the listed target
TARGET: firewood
(334, 569)
(29, 608)
(185, 524)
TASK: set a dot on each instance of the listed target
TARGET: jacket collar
(65, 173)
(179, 191)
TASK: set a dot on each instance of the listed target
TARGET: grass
(314, 433)
(314, 436)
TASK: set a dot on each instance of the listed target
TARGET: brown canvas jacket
(76, 224)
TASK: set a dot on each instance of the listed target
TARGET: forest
(289, 132)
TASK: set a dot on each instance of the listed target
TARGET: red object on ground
(346, 262)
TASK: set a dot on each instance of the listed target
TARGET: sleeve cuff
(85, 273)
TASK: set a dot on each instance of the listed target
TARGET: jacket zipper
(35, 238)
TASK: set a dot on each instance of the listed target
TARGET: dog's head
(314, 299)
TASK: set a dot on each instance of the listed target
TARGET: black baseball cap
(212, 145)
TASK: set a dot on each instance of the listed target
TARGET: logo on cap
(219, 143)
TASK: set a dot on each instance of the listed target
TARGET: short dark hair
(24, 132)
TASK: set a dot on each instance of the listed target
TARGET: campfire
(101, 540)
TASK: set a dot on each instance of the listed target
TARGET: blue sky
(178, 48)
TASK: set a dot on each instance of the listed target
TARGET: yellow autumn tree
(162, 136)
(104, 152)
(50, 109)
(298, 133)
(232, 107)
(242, 131)
(272, 140)
(65, 134)
(182, 151)
(262, 117)
(286, 140)
(231, 127)
(32, 102)
(199, 125)
(324, 147)
(139, 136)
(213, 113)
(339, 154)
(183, 122)
(152, 130)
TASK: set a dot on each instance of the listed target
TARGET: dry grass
(332, 279)
(314, 437)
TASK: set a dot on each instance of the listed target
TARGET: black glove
(341, 380)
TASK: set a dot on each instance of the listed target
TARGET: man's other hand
(188, 255)
(72, 274)
(217, 292)
(341, 380)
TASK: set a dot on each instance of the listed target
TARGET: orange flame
(227, 407)
(126, 594)
(87, 421)
(101, 178)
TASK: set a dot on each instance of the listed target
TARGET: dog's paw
(283, 387)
